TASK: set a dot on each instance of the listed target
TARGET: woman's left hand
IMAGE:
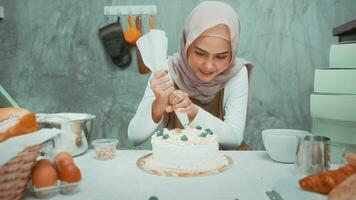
(181, 102)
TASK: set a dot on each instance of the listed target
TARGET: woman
(209, 83)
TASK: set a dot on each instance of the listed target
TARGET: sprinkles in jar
(105, 149)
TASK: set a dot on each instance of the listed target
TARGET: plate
(145, 163)
(288, 188)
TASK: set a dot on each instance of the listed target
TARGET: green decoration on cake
(159, 133)
(184, 138)
(153, 198)
(209, 131)
(203, 134)
(198, 127)
(166, 136)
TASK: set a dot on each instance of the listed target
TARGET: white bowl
(281, 144)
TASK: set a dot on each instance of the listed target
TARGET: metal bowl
(76, 130)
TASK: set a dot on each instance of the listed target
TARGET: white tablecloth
(252, 174)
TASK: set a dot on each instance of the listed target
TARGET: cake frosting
(190, 149)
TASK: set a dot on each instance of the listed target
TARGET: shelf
(130, 10)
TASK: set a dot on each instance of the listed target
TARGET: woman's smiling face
(208, 56)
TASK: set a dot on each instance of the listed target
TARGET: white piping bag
(153, 47)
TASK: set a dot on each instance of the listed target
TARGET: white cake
(189, 150)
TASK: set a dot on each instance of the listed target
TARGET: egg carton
(61, 187)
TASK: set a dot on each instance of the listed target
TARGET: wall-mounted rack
(130, 10)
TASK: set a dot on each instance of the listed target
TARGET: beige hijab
(206, 15)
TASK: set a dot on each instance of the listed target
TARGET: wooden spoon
(139, 24)
(141, 66)
(152, 22)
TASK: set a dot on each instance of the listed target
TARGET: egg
(44, 174)
(43, 162)
(63, 157)
(69, 173)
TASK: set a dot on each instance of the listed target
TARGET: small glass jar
(105, 148)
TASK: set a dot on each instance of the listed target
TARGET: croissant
(16, 121)
(326, 181)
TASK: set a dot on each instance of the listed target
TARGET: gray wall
(51, 59)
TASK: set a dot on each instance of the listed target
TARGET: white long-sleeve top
(230, 130)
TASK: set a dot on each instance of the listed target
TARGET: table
(252, 174)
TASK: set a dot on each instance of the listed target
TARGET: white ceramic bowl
(281, 144)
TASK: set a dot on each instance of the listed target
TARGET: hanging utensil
(131, 34)
(125, 58)
(152, 22)
(114, 43)
(141, 66)
(139, 24)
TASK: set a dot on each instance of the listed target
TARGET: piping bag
(153, 47)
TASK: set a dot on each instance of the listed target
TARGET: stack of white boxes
(333, 103)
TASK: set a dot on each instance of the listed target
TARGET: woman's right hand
(161, 86)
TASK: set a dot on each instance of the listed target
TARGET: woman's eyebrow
(200, 49)
(222, 53)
